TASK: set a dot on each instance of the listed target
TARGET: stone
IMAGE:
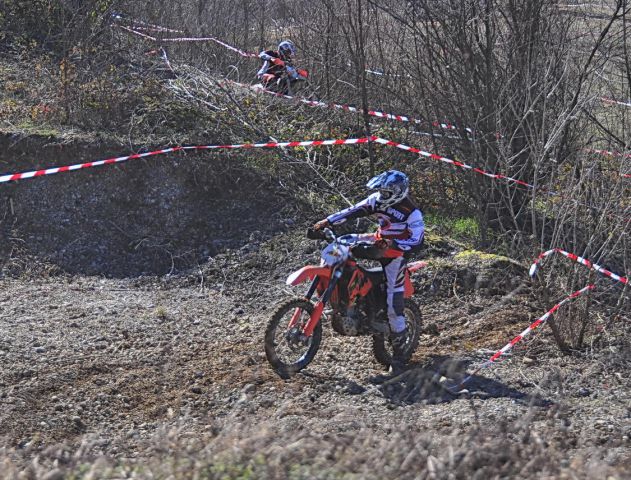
(54, 475)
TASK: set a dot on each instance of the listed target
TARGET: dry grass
(234, 450)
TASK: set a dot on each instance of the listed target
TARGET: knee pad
(398, 303)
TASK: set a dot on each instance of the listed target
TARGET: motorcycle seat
(378, 269)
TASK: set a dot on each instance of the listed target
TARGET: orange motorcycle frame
(324, 281)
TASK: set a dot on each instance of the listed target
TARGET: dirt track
(146, 369)
(123, 360)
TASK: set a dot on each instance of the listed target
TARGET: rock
(196, 390)
(473, 309)
(249, 388)
(76, 420)
(354, 389)
(432, 329)
(40, 349)
(584, 392)
(54, 475)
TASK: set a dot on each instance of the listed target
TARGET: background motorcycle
(286, 83)
(355, 298)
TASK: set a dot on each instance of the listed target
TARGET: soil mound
(153, 216)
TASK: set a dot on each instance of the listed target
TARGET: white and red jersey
(403, 222)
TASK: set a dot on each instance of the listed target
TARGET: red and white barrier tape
(211, 39)
(576, 258)
(346, 108)
(615, 102)
(140, 25)
(455, 163)
(609, 152)
(155, 28)
(349, 108)
(313, 143)
(109, 161)
(136, 32)
(188, 39)
(506, 348)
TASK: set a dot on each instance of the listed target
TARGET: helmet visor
(385, 194)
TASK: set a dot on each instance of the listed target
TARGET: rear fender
(414, 266)
(308, 273)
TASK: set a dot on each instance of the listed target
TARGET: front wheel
(287, 349)
(381, 347)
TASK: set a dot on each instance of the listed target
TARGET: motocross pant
(394, 269)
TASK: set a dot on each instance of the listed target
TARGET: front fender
(308, 273)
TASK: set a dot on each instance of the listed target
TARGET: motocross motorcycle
(286, 83)
(352, 298)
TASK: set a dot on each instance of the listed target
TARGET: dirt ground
(132, 347)
(108, 367)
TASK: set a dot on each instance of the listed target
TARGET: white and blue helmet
(392, 187)
(286, 48)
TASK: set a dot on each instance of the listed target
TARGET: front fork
(319, 306)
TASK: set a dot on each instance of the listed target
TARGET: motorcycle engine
(349, 324)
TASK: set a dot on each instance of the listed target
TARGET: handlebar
(324, 234)
(329, 235)
(360, 248)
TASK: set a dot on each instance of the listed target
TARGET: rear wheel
(286, 348)
(381, 346)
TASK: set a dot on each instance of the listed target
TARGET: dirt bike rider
(401, 232)
(276, 62)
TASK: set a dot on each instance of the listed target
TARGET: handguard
(313, 234)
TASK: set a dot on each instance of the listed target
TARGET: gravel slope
(113, 364)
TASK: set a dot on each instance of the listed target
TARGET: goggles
(385, 194)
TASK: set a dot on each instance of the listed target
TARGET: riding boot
(398, 340)
(398, 362)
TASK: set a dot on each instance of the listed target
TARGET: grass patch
(460, 228)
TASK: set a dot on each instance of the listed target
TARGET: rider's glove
(382, 244)
(279, 62)
(321, 224)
